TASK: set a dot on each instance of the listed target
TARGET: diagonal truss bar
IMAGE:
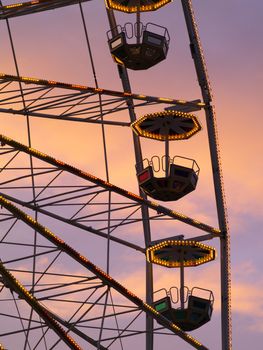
(25, 8)
(107, 185)
(11, 282)
(127, 95)
(76, 224)
(77, 331)
(68, 118)
(103, 276)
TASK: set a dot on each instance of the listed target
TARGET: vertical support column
(182, 283)
(203, 80)
(167, 158)
(144, 210)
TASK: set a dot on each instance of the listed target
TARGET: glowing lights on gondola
(158, 254)
(167, 120)
(129, 7)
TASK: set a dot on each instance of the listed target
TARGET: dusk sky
(51, 45)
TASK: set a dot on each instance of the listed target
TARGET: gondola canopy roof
(131, 6)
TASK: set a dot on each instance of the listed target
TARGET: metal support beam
(107, 185)
(102, 275)
(25, 8)
(144, 209)
(126, 94)
(203, 79)
(74, 102)
(13, 284)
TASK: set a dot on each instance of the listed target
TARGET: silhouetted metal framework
(10, 282)
(42, 306)
(64, 101)
(29, 7)
(50, 201)
(12, 148)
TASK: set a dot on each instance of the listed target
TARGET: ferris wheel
(67, 234)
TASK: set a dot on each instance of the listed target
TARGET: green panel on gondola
(160, 307)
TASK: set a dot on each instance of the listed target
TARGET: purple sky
(51, 46)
